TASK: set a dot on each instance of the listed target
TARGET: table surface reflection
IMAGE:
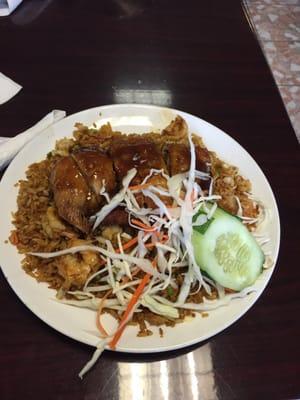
(200, 57)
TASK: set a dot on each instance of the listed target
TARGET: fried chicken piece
(73, 198)
(176, 130)
(202, 159)
(76, 182)
(97, 168)
(118, 216)
(179, 158)
(137, 153)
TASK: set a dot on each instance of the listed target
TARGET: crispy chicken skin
(116, 217)
(73, 198)
(97, 168)
(176, 130)
(202, 159)
(179, 159)
(140, 154)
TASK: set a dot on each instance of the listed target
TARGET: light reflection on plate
(126, 121)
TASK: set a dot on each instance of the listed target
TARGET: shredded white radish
(160, 204)
(93, 276)
(115, 201)
(160, 191)
(200, 220)
(126, 285)
(157, 172)
(211, 187)
(158, 308)
(103, 192)
(126, 236)
(203, 175)
(92, 303)
(162, 262)
(165, 247)
(142, 249)
(212, 210)
(175, 186)
(186, 222)
(99, 288)
(240, 209)
(143, 263)
(170, 264)
(99, 350)
(125, 263)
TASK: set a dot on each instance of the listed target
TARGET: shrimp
(74, 271)
(76, 268)
(88, 257)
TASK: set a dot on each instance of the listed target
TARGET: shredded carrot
(98, 315)
(136, 295)
(101, 305)
(128, 244)
(140, 187)
(132, 302)
(146, 228)
(162, 239)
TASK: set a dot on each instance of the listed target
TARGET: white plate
(78, 323)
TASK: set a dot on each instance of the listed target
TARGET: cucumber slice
(227, 251)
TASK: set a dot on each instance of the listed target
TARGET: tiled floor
(277, 24)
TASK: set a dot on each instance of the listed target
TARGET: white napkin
(8, 88)
(3, 139)
(9, 148)
(8, 6)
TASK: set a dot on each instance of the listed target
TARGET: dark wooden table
(74, 55)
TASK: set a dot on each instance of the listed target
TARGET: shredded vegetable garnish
(126, 316)
(99, 350)
(115, 201)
